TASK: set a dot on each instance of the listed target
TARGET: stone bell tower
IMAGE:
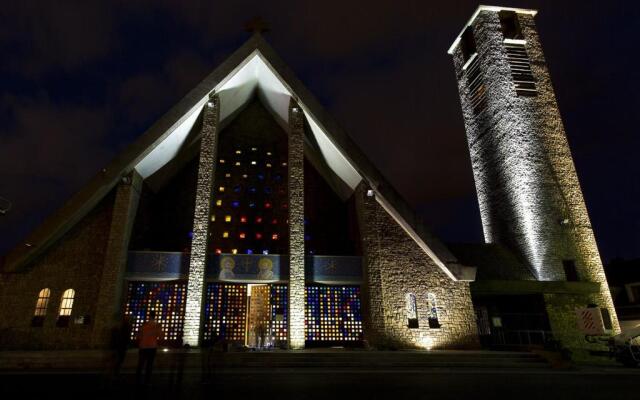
(528, 191)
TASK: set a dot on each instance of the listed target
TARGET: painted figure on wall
(226, 268)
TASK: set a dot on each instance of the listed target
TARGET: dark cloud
(80, 80)
(44, 36)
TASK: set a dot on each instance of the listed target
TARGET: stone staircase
(378, 359)
(195, 360)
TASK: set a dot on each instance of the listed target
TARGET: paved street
(616, 383)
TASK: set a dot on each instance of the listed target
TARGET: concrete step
(195, 359)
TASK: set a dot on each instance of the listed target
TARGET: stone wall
(529, 195)
(200, 241)
(75, 262)
(394, 265)
(110, 296)
(295, 167)
(561, 310)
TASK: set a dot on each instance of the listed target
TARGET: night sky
(80, 81)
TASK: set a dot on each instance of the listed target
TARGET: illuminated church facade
(247, 208)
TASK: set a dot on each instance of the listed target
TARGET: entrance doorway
(258, 333)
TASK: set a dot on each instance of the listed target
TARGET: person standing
(150, 333)
(121, 337)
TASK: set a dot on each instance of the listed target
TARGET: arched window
(41, 307)
(66, 305)
(412, 311)
(42, 303)
(432, 311)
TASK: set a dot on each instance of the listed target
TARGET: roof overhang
(254, 69)
(488, 8)
(254, 74)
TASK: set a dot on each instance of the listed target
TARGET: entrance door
(259, 316)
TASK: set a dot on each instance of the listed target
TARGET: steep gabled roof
(253, 69)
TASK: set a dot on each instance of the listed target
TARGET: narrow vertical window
(570, 270)
(473, 74)
(510, 24)
(412, 311)
(66, 306)
(432, 311)
(41, 307)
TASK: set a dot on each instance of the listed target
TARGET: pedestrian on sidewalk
(150, 333)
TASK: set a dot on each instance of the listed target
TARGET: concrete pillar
(199, 244)
(109, 302)
(370, 227)
(295, 166)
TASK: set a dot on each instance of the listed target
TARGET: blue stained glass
(167, 299)
(235, 204)
(225, 312)
(252, 190)
(237, 188)
(260, 176)
(267, 190)
(249, 251)
(333, 314)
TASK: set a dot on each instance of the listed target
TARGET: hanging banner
(248, 267)
(155, 265)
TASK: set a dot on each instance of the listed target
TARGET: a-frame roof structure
(252, 70)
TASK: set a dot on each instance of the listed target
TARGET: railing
(524, 337)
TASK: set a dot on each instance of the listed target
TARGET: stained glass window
(66, 304)
(225, 312)
(432, 311)
(333, 314)
(252, 194)
(42, 303)
(412, 311)
(279, 311)
(167, 299)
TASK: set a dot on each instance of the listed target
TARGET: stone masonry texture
(74, 262)
(295, 166)
(199, 244)
(524, 173)
(394, 266)
(110, 297)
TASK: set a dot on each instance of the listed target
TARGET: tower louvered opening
(477, 89)
(521, 69)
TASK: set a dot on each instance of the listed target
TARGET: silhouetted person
(121, 335)
(178, 359)
(261, 335)
(150, 332)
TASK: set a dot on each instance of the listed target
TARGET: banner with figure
(248, 267)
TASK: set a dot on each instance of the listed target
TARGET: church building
(247, 209)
